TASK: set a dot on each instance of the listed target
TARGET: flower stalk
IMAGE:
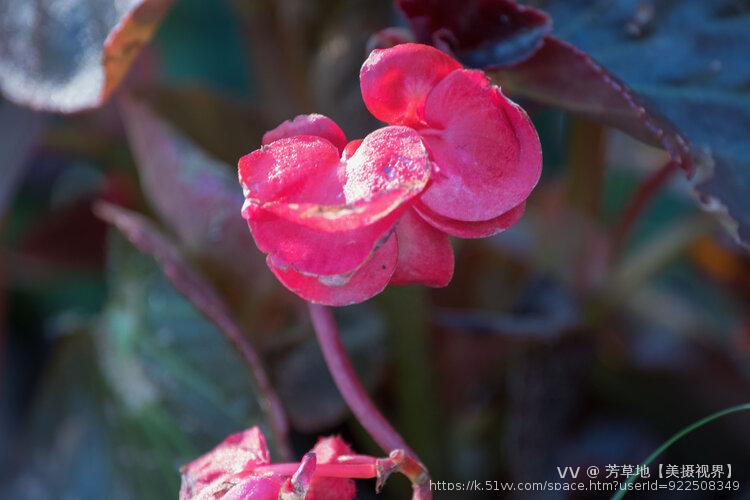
(402, 458)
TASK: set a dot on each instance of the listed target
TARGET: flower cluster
(240, 468)
(340, 220)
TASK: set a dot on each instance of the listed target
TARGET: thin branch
(359, 401)
(149, 240)
(638, 203)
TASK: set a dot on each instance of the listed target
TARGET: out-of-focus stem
(273, 408)
(586, 165)
(359, 401)
(586, 169)
(638, 203)
(196, 289)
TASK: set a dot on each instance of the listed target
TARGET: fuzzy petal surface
(471, 229)
(486, 149)
(395, 82)
(367, 281)
(314, 252)
(425, 254)
(302, 179)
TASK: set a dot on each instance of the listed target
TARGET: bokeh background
(540, 353)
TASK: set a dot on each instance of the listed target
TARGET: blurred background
(542, 352)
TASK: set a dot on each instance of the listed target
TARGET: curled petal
(299, 169)
(388, 169)
(314, 124)
(395, 82)
(473, 229)
(366, 282)
(351, 148)
(302, 180)
(486, 149)
(425, 254)
(310, 251)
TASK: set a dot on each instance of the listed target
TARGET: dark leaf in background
(173, 373)
(688, 60)
(199, 199)
(561, 75)
(20, 129)
(548, 70)
(481, 33)
(68, 56)
(310, 396)
(660, 71)
(188, 281)
(69, 448)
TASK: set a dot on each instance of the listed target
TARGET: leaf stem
(359, 401)
(676, 437)
(638, 203)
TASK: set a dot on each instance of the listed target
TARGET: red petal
(389, 168)
(476, 229)
(314, 124)
(206, 476)
(324, 217)
(300, 169)
(368, 281)
(351, 148)
(486, 149)
(395, 82)
(425, 254)
(327, 450)
(311, 251)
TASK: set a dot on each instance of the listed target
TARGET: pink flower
(239, 468)
(340, 221)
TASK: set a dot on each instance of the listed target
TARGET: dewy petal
(327, 450)
(486, 149)
(395, 82)
(389, 168)
(314, 124)
(368, 281)
(475, 229)
(299, 169)
(208, 475)
(425, 254)
(310, 251)
(322, 216)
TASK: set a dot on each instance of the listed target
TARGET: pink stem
(347, 381)
(356, 471)
(359, 401)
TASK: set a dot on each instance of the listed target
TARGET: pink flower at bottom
(240, 468)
